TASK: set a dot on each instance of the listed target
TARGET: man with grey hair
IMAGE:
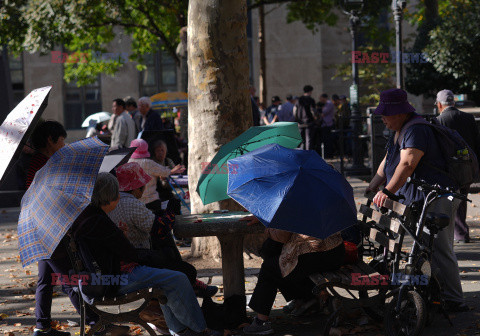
(105, 191)
(147, 119)
(465, 125)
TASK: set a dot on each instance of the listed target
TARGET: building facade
(294, 57)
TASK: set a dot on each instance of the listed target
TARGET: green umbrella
(212, 185)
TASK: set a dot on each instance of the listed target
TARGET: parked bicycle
(415, 293)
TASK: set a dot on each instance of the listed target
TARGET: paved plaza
(17, 289)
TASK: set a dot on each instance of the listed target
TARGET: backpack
(303, 114)
(462, 164)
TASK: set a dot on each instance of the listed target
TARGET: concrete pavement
(17, 288)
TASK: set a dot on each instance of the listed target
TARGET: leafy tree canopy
(84, 27)
(453, 47)
(447, 33)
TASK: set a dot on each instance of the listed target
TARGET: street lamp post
(353, 8)
(397, 7)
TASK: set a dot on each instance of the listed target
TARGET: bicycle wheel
(410, 320)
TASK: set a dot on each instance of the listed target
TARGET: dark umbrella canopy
(60, 191)
(292, 190)
(17, 127)
(116, 158)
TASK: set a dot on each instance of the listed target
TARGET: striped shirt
(36, 163)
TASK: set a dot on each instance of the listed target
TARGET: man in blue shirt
(402, 161)
(285, 111)
(271, 112)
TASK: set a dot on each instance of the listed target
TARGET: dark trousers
(156, 207)
(461, 226)
(327, 140)
(308, 136)
(159, 259)
(297, 284)
(44, 291)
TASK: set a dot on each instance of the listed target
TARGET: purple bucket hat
(393, 102)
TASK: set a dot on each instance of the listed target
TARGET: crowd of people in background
(319, 122)
(131, 118)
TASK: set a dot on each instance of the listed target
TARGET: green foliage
(86, 26)
(448, 35)
(12, 24)
(422, 78)
(453, 47)
(312, 13)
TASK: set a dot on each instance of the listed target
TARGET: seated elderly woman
(289, 260)
(141, 156)
(140, 225)
(116, 255)
(160, 150)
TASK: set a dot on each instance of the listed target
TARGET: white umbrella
(97, 117)
(18, 125)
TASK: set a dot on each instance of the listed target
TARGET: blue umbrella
(292, 190)
(60, 191)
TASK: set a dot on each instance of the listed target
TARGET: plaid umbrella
(60, 191)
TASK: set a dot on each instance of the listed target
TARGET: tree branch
(170, 47)
(123, 24)
(267, 2)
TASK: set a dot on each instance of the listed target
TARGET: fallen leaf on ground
(3, 316)
(17, 324)
(335, 332)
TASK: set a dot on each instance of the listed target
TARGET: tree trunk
(431, 11)
(219, 107)
(263, 58)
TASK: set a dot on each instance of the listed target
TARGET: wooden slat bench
(121, 301)
(105, 317)
(352, 285)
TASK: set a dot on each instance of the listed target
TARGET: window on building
(80, 102)
(160, 75)
(16, 76)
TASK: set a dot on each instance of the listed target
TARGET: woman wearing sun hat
(156, 171)
(141, 225)
(405, 157)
